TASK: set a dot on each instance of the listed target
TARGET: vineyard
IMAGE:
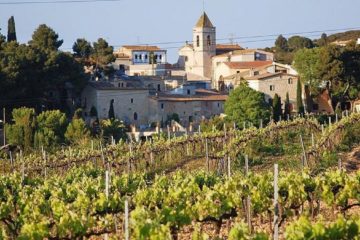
(284, 181)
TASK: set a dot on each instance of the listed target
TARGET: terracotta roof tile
(142, 48)
(247, 65)
(185, 98)
(267, 75)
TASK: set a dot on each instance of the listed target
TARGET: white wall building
(141, 60)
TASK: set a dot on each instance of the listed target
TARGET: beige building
(192, 107)
(139, 60)
(275, 83)
(130, 103)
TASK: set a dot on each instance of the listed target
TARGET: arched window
(198, 41)
(146, 57)
(135, 116)
(208, 40)
(136, 56)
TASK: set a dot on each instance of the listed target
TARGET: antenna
(203, 5)
(231, 38)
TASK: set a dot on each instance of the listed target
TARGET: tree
(306, 63)
(113, 128)
(246, 104)
(77, 131)
(287, 107)
(22, 131)
(11, 36)
(297, 42)
(173, 117)
(323, 41)
(276, 107)
(111, 110)
(103, 53)
(281, 43)
(299, 102)
(82, 49)
(93, 112)
(51, 127)
(46, 39)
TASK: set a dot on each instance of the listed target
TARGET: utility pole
(4, 122)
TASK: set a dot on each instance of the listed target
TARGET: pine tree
(111, 110)
(11, 30)
(287, 109)
(299, 102)
(277, 112)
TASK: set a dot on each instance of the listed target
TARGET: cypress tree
(111, 110)
(299, 102)
(287, 110)
(277, 112)
(11, 30)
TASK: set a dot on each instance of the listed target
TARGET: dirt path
(352, 160)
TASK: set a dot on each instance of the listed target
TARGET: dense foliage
(246, 105)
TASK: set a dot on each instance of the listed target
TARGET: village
(146, 90)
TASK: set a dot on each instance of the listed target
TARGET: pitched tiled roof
(228, 46)
(247, 65)
(142, 48)
(204, 22)
(201, 95)
(101, 85)
(244, 52)
(267, 75)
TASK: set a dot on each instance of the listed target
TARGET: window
(188, 92)
(146, 57)
(197, 41)
(272, 87)
(256, 73)
(132, 100)
(122, 84)
(290, 81)
(156, 56)
(208, 40)
(162, 106)
(160, 57)
(135, 116)
(159, 87)
(190, 118)
(118, 84)
(186, 59)
(136, 56)
(218, 105)
(140, 57)
(237, 71)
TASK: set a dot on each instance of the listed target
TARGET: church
(196, 57)
(226, 66)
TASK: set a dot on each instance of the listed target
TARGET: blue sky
(144, 21)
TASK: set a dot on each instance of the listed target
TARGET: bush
(77, 131)
(51, 127)
(114, 128)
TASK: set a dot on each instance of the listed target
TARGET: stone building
(192, 105)
(130, 103)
